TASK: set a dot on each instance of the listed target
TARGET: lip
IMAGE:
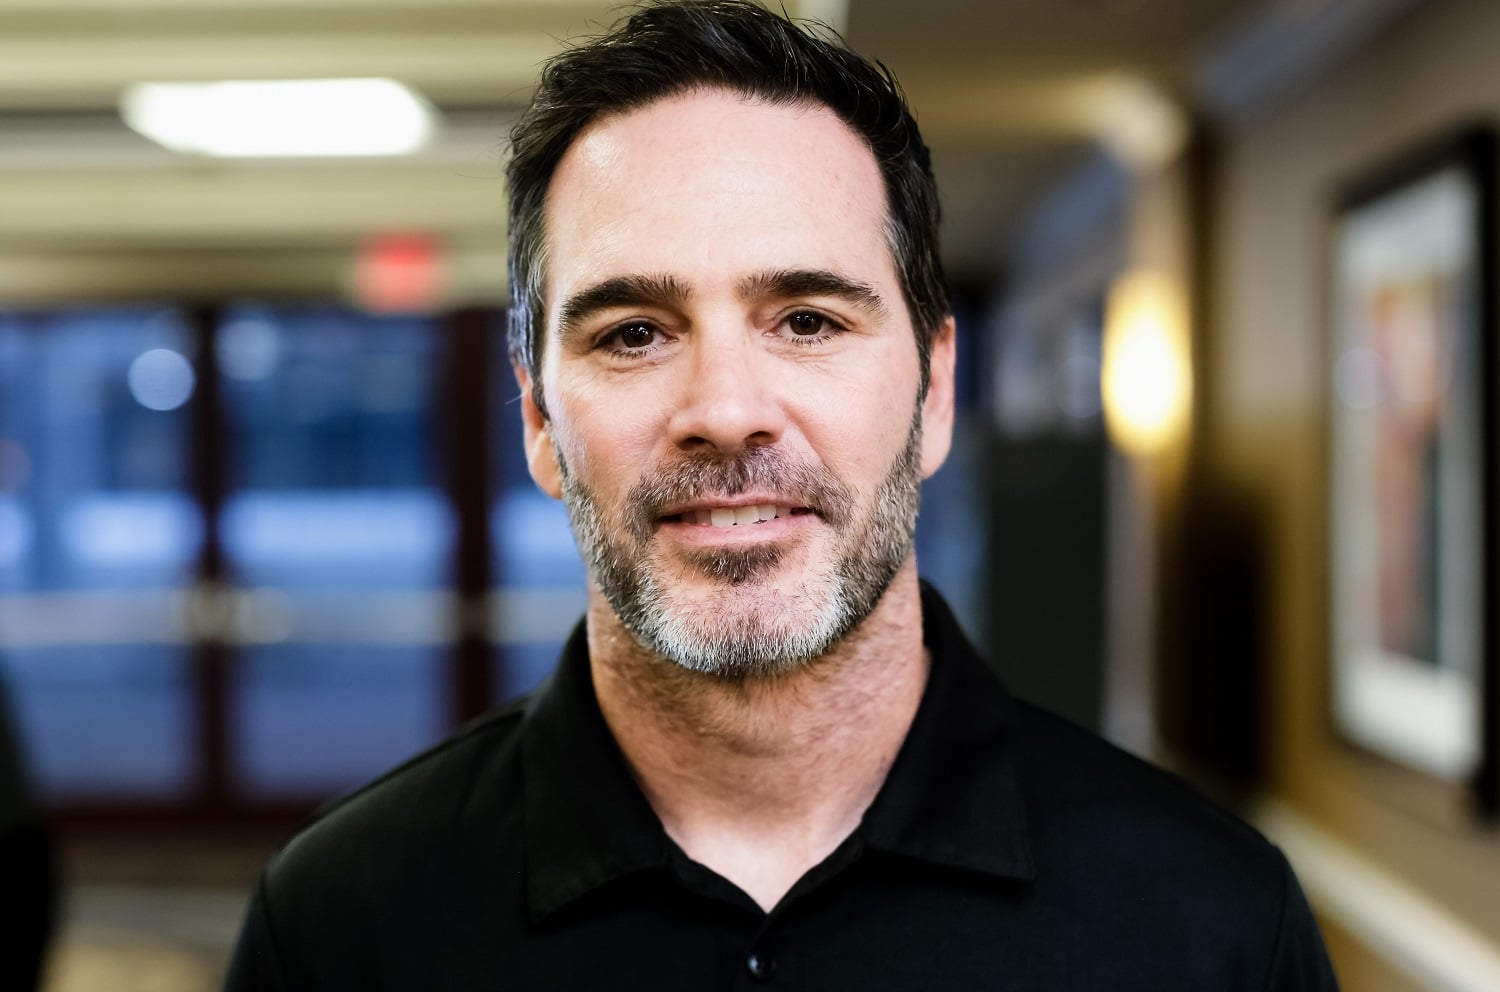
(703, 536)
(734, 503)
(687, 524)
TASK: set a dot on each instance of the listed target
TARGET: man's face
(731, 379)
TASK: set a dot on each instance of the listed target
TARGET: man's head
(667, 49)
(726, 381)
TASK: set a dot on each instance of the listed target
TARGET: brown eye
(806, 324)
(636, 335)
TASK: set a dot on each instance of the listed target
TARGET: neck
(760, 779)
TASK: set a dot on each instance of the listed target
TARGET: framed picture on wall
(1412, 474)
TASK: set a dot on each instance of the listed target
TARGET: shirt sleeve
(1299, 962)
(256, 966)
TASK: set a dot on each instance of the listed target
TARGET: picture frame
(1412, 484)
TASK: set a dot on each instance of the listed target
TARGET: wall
(1264, 437)
(1048, 475)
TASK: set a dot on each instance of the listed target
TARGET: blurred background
(265, 525)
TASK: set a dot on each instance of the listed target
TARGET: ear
(541, 457)
(937, 408)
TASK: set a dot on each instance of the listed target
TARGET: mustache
(705, 475)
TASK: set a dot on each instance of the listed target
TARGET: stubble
(751, 629)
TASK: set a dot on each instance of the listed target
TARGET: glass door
(338, 541)
(100, 536)
(253, 555)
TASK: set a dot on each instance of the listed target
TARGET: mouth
(747, 515)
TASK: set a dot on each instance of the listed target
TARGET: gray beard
(767, 637)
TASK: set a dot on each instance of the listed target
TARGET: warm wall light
(287, 117)
(1147, 373)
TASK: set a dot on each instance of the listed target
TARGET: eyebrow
(784, 283)
(660, 290)
(620, 291)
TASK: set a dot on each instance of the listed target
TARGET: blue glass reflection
(98, 536)
(336, 506)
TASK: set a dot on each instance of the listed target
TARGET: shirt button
(759, 966)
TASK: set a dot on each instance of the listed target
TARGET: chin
(746, 629)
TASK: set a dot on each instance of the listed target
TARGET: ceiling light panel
(282, 118)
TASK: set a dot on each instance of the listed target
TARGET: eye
(631, 337)
(805, 323)
(808, 328)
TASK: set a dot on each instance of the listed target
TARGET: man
(767, 756)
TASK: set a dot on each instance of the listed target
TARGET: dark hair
(665, 49)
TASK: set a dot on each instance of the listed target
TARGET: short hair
(670, 48)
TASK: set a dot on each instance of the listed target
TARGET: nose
(727, 397)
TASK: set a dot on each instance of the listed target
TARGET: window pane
(98, 539)
(339, 538)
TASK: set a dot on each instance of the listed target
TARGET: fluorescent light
(273, 118)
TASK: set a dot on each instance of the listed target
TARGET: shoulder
(1143, 842)
(398, 829)
(1157, 873)
(1084, 788)
(401, 857)
(1080, 767)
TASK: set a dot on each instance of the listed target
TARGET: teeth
(733, 516)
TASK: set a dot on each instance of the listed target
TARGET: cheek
(859, 430)
(605, 449)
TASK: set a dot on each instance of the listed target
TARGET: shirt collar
(587, 822)
(953, 795)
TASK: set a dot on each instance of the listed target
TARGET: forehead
(712, 185)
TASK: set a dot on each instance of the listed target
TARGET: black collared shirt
(1007, 849)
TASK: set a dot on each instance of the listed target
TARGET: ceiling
(1010, 94)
